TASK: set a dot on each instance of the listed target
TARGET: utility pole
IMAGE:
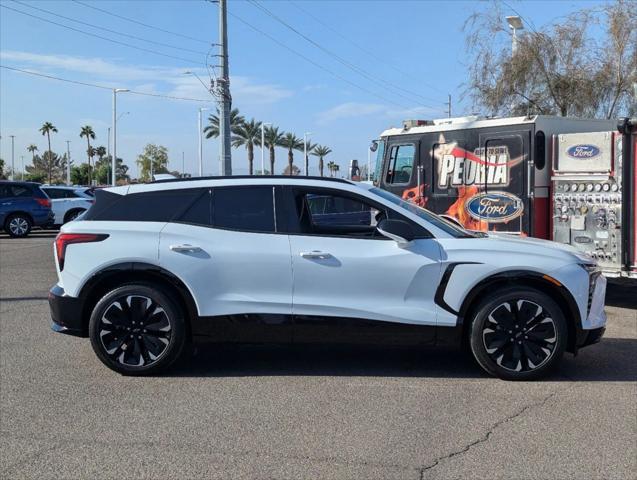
(22, 172)
(12, 162)
(200, 136)
(223, 93)
(263, 125)
(114, 157)
(68, 161)
(307, 163)
(183, 162)
(449, 105)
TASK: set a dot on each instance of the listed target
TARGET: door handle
(185, 248)
(316, 254)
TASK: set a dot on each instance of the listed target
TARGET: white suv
(150, 268)
(68, 203)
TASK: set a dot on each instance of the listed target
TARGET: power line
(103, 87)
(367, 52)
(137, 22)
(154, 52)
(317, 65)
(109, 30)
(379, 81)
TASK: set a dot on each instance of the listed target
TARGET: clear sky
(366, 66)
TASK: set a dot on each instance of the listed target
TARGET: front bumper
(595, 324)
(66, 313)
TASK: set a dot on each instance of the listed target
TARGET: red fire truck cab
(487, 174)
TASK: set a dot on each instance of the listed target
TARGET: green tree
(291, 142)
(272, 139)
(87, 131)
(32, 149)
(212, 130)
(153, 159)
(80, 174)
(47, 129)
(103, 168)
(321, 152)
(248, 134)
(333, 167)
(2, 176)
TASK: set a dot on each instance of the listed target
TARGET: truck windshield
(432, 218)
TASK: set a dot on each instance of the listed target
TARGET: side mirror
(398, 230)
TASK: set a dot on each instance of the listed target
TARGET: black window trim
(414, 166)
(289, 201)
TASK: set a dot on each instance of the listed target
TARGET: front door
(347, 276)
(226, 247)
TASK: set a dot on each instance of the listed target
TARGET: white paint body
(230, 272)
(61, 206)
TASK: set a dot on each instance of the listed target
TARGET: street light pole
(263, 124)
(22, 171)
(114, 157)
(223, 93)
(201, 109)
(515, 24)
(12, 154)
(68, 161)
(307, 163)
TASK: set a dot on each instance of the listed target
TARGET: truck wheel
(518, 333)
(18, 225)
(137, 329)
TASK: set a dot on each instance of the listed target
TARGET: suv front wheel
(518, 333)
(137, 330)
(18, 225)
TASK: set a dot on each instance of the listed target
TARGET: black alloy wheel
(137, 329)
(518, 334)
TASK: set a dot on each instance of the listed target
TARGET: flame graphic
(412, 195)
(457, 209)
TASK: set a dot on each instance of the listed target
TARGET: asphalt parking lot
(275, 412)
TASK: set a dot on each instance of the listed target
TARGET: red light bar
(65, 239)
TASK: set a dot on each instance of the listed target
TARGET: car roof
(237, 180)
(20, 182)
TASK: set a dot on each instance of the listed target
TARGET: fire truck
(511, 175)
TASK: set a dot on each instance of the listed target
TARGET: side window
(161, 206)
(401, 164)
(337, 210)
(4, 191)
(21, 191)
(200, 212)
(249, 209)
(53, 192)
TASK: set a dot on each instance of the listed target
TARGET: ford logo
(583, 151)
(494, 207)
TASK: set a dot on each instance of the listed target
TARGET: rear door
(229, 251)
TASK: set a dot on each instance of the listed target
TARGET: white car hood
(516, 239)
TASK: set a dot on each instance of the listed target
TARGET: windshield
(432, 218)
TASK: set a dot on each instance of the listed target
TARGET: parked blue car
(23, 205)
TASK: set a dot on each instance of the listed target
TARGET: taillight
(44, 202)
(65, 239)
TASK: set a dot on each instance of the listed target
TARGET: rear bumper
(66, 313)
(43, 218)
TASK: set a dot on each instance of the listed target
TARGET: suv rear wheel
(18, 225)
(518, 334)
(137, 330)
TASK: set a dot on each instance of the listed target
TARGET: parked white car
(68, 202)
(246, 259)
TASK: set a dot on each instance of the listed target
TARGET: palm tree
(333, 167)
(248, 134)
(272, 139)
(291, 142)
(212, 130)
(321, 151)
(46, 129)
(87, 131)
(100, 152)
(32, 149)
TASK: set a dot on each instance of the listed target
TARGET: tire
(18, 225)
(73, 214)
(518, 333)
(121, 324)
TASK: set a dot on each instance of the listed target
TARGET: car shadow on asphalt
(612, 360)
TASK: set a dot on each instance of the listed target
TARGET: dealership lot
(244, 412)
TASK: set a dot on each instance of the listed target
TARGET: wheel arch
(131, 272)
(17, 212)
(525, 278)
(68, 213)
